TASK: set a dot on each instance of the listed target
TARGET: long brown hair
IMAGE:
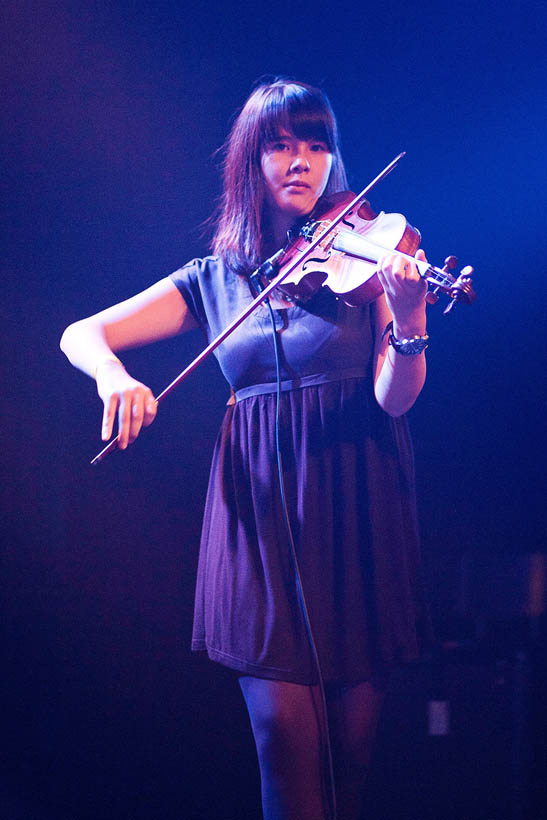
(281, 104)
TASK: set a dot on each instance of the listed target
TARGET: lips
(296, 184)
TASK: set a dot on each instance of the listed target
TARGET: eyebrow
(311, 138)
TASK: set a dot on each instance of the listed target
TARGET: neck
(275, 228)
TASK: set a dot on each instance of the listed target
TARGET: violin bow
(270, 263)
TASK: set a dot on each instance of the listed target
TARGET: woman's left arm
(398, 379)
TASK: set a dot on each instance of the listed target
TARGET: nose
(300, 162)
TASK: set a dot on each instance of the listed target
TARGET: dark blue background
(113, 113)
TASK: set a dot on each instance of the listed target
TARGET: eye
(277, 145)
(319, 147)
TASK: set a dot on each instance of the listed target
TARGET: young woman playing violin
(346, 462)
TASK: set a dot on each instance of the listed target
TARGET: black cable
(300, 588)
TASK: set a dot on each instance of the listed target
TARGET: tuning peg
(450, 263)
(462, 290)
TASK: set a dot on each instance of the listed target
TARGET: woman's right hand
(122, 395)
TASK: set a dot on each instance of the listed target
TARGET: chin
(299, 208)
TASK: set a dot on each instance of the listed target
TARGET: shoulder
(201, 276)
(198, 270)
(205, 283)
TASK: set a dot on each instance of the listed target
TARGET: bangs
(273, 107)
(299, 110)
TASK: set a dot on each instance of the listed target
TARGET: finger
(109, 414)
(136, 416)
(394, 264)
(385, 269)
(124, 419)
(402, 267)
(407, 270)
(411, 273)
(150, 409)
(420, 256)
(399, 274)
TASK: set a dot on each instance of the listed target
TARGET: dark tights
(288, 728)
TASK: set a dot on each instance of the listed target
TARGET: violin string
(440, 278)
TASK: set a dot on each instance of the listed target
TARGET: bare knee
(355, 717)
(284, 718)
(286, 728)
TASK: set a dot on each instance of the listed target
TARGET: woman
(347, 460)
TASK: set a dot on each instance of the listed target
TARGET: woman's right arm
(157, 313)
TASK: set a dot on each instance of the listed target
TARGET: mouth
(296, 184)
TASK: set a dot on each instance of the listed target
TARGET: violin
(338, 246)
(345, 259)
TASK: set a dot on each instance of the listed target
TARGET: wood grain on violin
(345, 259)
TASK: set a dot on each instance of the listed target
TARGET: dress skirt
(349, 482)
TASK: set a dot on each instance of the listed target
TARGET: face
(296, 173)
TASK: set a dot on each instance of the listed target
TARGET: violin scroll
(432, 296)
(458, 289)
(462, 289)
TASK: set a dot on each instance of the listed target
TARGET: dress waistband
(302, 381)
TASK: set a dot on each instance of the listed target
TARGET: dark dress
(349, 478)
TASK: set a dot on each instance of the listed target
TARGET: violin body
(333, 264)
(346, 259)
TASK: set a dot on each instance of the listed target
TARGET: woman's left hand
(405, 292)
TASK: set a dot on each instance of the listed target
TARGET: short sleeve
(187, 280)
